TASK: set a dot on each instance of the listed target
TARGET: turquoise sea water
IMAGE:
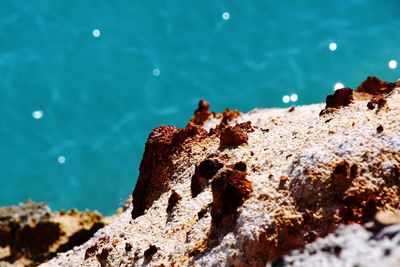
(97, 98)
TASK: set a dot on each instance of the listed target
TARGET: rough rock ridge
(247, 189)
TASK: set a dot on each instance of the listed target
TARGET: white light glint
(96, 33)
(37, 114)
(156, 72)
(286, 99)
(332, 46)
(61, 159)
(338, 86)
(294, 97)
(226, 15)
(392, 64)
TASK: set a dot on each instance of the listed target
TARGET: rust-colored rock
(230, 190)
(155, 168)
(202, 113)
(173, 200)
(374, 86)
(229, 115)
(203, 173)
(233, 136)
(341, 98)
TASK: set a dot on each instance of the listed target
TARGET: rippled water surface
(82, 83)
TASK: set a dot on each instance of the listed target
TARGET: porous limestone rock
(253, 187)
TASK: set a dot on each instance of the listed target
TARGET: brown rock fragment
(203, 173)
(230, 190)
(233, 136)
(374, 86)
(202, 113)
(229, 115)
(173, 200)
(342, 97)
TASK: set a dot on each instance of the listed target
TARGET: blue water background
(100, 98)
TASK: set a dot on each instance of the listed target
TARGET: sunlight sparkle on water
(338, 86)
(226, 15)
(294, 97)
(286, 99)
(96, 33)
(61, 159)
(37, 114)
(156, 72)
(332, 46)
(392, 64)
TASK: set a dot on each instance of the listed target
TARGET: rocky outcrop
(374, 86)
(252, 189)
(31, 234)
(157, 168)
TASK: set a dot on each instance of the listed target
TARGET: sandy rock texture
(247, 189)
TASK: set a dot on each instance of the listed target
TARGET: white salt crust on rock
(291, 159)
